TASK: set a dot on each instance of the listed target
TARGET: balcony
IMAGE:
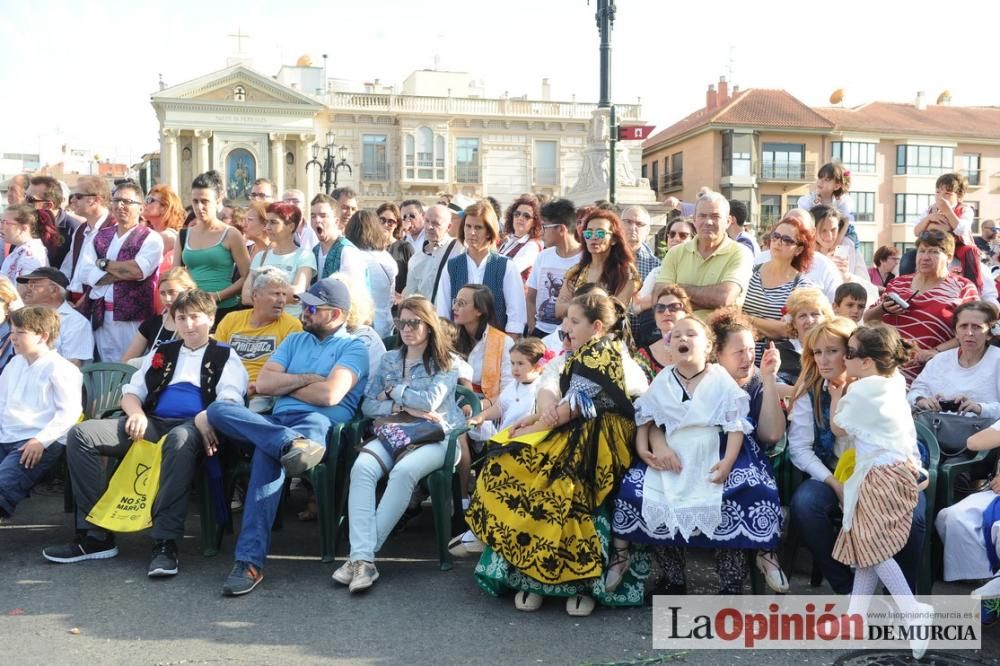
(788, 172)
(974, 176)
(467, 173)
(373, 172)
(545, 176)
(465, 106)
(673, 181)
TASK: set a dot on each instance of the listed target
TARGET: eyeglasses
(409, 216)
(551, 226)
(562, 335)
(119, 201)
(151, 200)
(388, 221)
(28, 198)
(854, 352)
(258, 195)
(80, 195)
(459, 303)
(599, 234)
(525, 215)
(783, 239)
(669, 307)
(683, 235)
(402, 324)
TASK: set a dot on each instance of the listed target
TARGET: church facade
(416, 143)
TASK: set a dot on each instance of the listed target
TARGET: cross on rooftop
(239, 39)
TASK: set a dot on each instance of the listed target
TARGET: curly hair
(531, 201)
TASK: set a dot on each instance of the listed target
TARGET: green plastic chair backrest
(102, 387)
(391, 342)
(465, 396)
(926, 435)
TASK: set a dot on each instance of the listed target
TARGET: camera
(897, 299)
(949, 405)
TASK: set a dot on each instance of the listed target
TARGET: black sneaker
(85, 547)
(164, 562)
(242, 579)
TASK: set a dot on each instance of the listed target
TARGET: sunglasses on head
(599, 234)
(669, 307)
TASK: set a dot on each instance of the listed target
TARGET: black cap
(329, 291)
(45, 273)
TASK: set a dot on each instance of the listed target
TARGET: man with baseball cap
(46, 286)
(318, 377)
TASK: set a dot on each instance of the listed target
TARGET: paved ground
(111, 613)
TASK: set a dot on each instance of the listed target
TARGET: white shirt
(525, 257)
(822, 272)
(232, 384)
(418, 242)
(76, 337)
(148, 257)
(40, 400)
(513, 292)
(476, 361)
(801, 436)
(88, 241)
(305, 236)
(381, 280)
(945, 377)
(24, 259)
(422, 268)
(546, 278)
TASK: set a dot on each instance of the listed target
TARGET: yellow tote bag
(127, 504)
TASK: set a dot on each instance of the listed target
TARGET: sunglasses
(79, 195)
(599, 234)
(33, 199)
(854, 352)
(669, 307)
(388, 221)
(313, 309)
(562, 335)
(407, 323)
(783, 239)
(409, 216)
(520, 213)
(683, 235)
(150, 200)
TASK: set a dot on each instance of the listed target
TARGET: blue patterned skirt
(751, 508)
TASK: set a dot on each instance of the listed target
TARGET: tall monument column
(277, 163)
(204, 162)
(169, 166)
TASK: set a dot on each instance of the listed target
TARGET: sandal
(527, 601)
(580, 606)
(768, 564)
(311, 511)
(617, 566)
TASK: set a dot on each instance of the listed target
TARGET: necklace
(692, 377)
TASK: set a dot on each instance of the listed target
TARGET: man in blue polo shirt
(319, 377)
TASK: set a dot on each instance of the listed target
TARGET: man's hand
(209, 438)
(31, 453)
(135, 425)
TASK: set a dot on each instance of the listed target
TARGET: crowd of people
(632, 386)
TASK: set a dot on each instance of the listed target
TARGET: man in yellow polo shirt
(712, 268)
(255, 334)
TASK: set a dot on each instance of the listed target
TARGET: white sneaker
(991, 590)
(365, 575)
(344, 574)
(926, 619)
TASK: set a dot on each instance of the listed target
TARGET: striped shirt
(767, 303)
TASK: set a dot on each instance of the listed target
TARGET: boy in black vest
(167, 396)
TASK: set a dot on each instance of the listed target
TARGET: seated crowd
(632, 388)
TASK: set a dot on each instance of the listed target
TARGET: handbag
(401, 433)
(952, 431)
(127, 504)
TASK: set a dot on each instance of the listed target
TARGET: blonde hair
(802, 298)
(810, 381)
(362, 312)
(181, 276)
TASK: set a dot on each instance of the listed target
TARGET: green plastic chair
(950, 471)
(925, 580)
(440, 481)
(330, 481)
(391, 342)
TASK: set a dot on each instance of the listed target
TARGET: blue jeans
(15, 480)
(269, 436)
(816, 515)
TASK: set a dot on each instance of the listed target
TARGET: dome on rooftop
(304, 61)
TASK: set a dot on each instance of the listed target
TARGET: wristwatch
(103, 264)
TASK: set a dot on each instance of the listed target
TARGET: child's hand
(669, 461)
(467, 412)
(836, 390)
(721, 470)
(473, 420)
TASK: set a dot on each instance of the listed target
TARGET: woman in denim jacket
(419, 379)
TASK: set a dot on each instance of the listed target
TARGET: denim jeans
(269, 436)
(816, 514)
(15, 480)
(370, 525)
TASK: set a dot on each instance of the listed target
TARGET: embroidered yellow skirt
(531, 510)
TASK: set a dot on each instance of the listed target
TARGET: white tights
(866, 580)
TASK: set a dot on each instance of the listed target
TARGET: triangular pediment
(228, 85)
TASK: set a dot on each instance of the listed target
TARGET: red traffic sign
(634, 132)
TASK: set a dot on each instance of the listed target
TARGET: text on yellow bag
(127, 505)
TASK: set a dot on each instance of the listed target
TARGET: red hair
(288, 212)
(618, 266)
(531, 201)
(807, 241)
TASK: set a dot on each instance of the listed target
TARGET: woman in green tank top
(211, 248)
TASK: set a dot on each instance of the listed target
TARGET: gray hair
(266, 277)
(640, 212)
(714, 197)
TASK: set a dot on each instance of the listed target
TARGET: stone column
(306, 179)
(169, 162)
(277, 163)
(203, 162)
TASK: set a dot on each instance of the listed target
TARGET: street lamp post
(605, 21)
(330, 167)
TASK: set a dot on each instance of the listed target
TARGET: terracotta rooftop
(756, 107)
(981, 122)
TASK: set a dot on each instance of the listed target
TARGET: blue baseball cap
(330, 292)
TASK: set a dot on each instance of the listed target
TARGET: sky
(102, 60)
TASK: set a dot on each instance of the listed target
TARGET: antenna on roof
(731, 65)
